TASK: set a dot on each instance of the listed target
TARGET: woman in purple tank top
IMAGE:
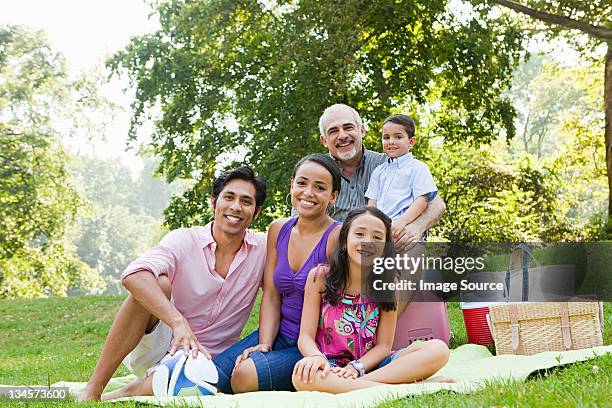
(264, 360)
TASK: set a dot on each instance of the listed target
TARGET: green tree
(494, 194)
(247, 81)
(37, 200)
(545, 93)
(122, 216)
(105, 182)
(594, 19)
(152, 191)
(111, 238)
(582, 186)
(492, 199)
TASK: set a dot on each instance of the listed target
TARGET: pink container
(422, 321)
(476, 325)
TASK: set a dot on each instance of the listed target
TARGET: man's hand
(306, 368)
(414, 231)
(408, 237)
(263, 347)
(183, 337)
(396, 227)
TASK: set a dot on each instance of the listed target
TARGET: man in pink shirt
(194, 290)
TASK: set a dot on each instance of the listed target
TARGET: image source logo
(493, 272)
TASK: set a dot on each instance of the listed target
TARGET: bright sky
(86, 32)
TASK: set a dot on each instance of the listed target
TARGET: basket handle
(513, 264)
(601, 316)
(565, 326)
(527, 252)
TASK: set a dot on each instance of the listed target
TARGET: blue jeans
(274, 368)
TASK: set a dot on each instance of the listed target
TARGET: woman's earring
(288, 200)
(331, 210)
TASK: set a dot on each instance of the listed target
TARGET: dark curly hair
(336, 279)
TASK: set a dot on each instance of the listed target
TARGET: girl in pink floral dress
(346, 335)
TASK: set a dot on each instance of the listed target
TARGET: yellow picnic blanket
(470, 365)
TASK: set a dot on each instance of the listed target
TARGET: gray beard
(348, 155)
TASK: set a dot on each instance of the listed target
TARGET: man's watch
(358, 365)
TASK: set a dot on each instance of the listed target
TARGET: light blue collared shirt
(397, 182)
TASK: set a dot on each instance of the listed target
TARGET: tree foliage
(122, 215)
(246, 81)
(546, 93)
(492, 199)
(581, 158)
(112, 237)
(37, 201)
(503, 193)
(594, 19)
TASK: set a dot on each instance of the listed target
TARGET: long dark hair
(336, 279)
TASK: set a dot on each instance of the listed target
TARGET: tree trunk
(608, 129)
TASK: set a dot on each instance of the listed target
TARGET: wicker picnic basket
(533, 327)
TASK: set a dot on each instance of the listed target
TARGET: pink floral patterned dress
(348, 330)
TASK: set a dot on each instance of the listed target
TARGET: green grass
(49, 340)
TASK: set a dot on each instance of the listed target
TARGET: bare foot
(116, 394)
(113, 395)
(440, 379)
(88, 394)
(134, 389)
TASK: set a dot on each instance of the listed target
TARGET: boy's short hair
(403, 120)
(242, 173)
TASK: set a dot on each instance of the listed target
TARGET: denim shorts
(388, 359)
(383, 363)
(274, 368)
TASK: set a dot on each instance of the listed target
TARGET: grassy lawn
(49, 340)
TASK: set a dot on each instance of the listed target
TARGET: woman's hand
(306, 368)
(263, 347)
(346, 372)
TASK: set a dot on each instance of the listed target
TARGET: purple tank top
(291, 284)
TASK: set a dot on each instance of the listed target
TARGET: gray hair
(334, 107)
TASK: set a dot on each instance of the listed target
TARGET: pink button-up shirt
(217, 309)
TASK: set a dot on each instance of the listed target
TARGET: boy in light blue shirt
(402, 186)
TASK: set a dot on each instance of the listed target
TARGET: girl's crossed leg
(417, 362)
